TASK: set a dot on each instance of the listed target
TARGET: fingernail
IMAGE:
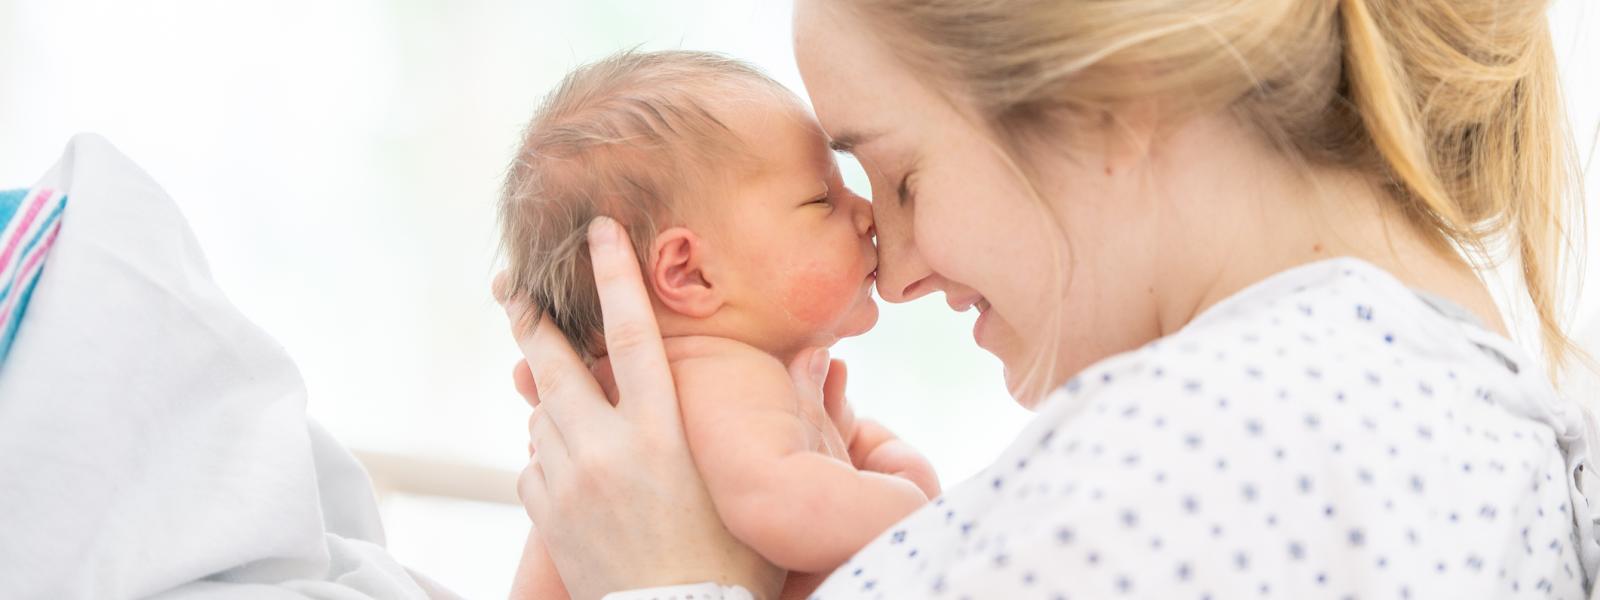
(604, 231)
(819, 364)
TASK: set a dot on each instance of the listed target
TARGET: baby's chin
(863, 316)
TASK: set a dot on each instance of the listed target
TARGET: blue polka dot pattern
(1322, 434)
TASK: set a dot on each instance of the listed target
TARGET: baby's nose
(862, 215)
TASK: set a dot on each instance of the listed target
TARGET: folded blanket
(29, 221)
(153, 441)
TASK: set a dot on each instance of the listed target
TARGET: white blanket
(153, 441)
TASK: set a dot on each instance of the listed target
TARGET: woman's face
(1065, 281)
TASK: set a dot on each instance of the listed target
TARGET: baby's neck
(784, 355)
(675, 325)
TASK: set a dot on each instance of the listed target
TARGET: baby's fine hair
(626, 137)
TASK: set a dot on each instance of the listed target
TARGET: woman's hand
(612, 487)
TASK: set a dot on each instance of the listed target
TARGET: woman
(1220, 250)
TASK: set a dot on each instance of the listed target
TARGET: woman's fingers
(550, 446)
(559, 377)
(522, 378)
(633, 341)
(603, 376)
(533, 491)
(499, 288)
(561, 381)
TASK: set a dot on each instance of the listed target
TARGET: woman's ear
(679, 274)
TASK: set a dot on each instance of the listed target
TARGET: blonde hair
(627, 137)
(1454, 104)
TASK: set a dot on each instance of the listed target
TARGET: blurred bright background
(339, 161)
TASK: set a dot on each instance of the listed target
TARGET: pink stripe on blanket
(30, 267)
(34, 207)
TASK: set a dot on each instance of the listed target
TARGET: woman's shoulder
(1334, 326)
(1337, 370)
(1338, 340)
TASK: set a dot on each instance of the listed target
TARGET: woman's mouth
(980, 326)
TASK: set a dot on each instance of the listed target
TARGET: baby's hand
(872, 446)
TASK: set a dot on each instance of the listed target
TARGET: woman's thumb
(808, 370)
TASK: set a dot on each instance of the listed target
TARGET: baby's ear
(679, 273)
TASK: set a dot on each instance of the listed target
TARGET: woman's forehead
(838, 67)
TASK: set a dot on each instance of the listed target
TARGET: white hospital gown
(1326, 433)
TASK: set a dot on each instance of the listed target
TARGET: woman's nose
(902, 274)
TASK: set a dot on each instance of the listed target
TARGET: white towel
(153, 441)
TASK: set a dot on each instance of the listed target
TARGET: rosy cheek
(818, 296)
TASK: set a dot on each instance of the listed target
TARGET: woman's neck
(1264, 214)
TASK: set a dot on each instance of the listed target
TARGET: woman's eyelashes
(904, 191)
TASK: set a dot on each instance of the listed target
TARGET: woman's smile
(979, 326)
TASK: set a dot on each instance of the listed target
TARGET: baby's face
(798, 244)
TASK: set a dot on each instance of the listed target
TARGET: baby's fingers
(807, 371)
(833, 388)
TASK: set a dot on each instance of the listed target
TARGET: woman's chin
(1026, 390)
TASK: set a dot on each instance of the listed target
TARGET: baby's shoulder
(713, 372)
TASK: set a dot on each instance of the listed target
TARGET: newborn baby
(746, 234)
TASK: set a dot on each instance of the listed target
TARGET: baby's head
(724, 182)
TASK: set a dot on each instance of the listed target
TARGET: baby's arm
(800, 509)
(874, 448)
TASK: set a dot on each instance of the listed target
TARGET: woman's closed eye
(905, 191)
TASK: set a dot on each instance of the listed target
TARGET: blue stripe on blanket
(43, 229)
(10, 335)
(10, 200)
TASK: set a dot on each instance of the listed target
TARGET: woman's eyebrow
(846, 142)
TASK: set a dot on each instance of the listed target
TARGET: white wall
(339, 161)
